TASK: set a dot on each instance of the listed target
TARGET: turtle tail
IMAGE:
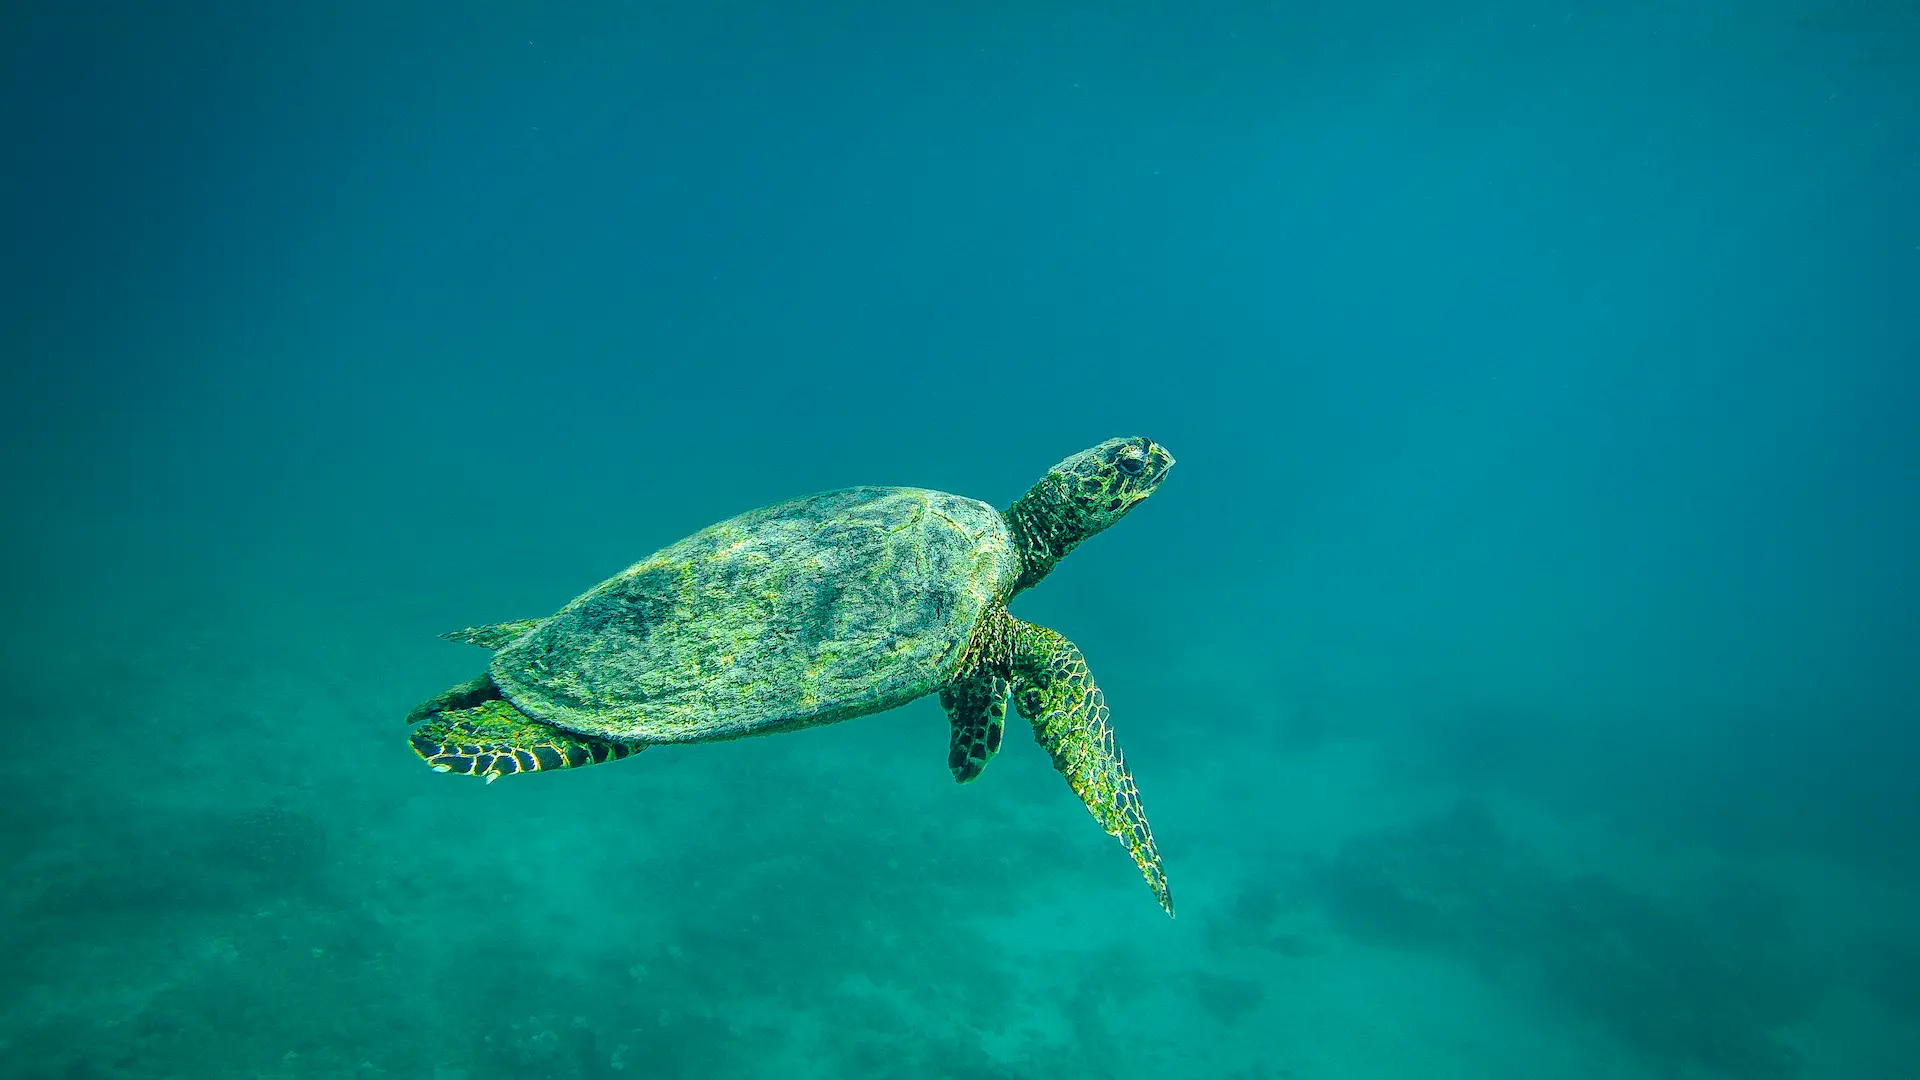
(473, 731)
(493, 635)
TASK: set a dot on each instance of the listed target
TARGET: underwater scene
(725, 539)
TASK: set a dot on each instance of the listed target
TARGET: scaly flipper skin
(1054, 691)
(977, 709)
(471, 731)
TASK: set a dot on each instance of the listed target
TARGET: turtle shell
(801, 613)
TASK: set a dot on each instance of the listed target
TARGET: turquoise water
(1518, 667)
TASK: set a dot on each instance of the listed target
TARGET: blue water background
(1519, 666)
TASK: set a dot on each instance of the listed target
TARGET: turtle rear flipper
(465, 696)
(494, 739)
(1053, 689)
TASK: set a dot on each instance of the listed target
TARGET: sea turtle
(812, 611)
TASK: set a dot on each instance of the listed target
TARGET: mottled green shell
(801, 613)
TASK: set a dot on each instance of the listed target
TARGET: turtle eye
(1131, 461)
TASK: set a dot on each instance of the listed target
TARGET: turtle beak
(1159, 463)
(1149, 483)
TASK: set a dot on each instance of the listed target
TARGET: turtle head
(1082, 496)
(1102, 483)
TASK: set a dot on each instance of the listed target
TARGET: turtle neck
(1042, 530)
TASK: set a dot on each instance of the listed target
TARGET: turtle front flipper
(1054, 691)
(977, 709)
(491, 738)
